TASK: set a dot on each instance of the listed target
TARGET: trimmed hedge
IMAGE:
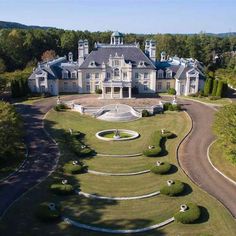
(44, 213)
(163, 168)
(171, 91)
(167, 134)
(145, 113)
(156, 142)
(173, 190)
(62, 189)
(215, 84)
(190, 215)
(171, 107)
(60, 107)
(69, 168)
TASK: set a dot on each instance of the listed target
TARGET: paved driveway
(193, 156)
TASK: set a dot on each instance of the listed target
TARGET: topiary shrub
(219, 90)
(190, 215)
(171, 91)
(62, 189)
(45, 214)
(98, 91)
(70, 168)
(145, 113)
(163, 168)
(171, 107)
(167, 134)
(154, 152)
(174, 189)
(60, 107)
(214, 89)
(156, 145)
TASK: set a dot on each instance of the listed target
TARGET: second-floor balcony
(116, 83)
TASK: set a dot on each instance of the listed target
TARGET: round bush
(69, 168)
(171, 91)
(190, 215)
(98, 91)
(62, 189)
(163, 168)
(145, 113)
(173, 190)
(44, 213)
(152, 152)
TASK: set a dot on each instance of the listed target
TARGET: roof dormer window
(74, 74)
(65, 74)
(168, 74)
(92, 64)
(160, 74)
(142, 64)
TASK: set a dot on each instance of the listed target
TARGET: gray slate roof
(131, 54)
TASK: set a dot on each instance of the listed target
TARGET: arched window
(116, 72)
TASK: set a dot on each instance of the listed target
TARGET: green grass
(221, 101)
(118, 214)
(220, 161)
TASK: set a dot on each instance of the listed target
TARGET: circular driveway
(44, 154)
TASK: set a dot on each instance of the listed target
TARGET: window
(87, 76)
(88, 87)
(159, 85)
(74, 75)
(160, 74)
(136, 75)
(117, 62)
(116, 72)
(141, 63)
(65, 75)
(168, 74)
(97, 86)
(145, 86)
(125, 75)
(108, 75)
(41, 79)
(145, 75)
(168, 85)
(96, 75)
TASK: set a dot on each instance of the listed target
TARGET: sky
(127, 16)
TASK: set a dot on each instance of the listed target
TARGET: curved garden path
(192, 155)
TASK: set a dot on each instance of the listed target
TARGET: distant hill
(15, 25)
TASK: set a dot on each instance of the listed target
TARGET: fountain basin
(124, 134)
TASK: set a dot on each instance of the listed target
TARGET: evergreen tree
(215, 84)
(219, 88)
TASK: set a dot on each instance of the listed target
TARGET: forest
(21, 49)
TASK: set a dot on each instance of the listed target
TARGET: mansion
(117, 70)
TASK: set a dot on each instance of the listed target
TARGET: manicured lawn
(72, 120)
(221, 162)
(215, 219)
(222, 101)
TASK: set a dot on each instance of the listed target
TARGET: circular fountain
(117, 135)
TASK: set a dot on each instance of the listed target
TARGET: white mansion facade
(117, 69)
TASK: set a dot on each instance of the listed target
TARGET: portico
(117, 90)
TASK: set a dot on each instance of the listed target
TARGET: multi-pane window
(136, 75)
(116, 72)
(108, 75)
(88, 87)
(73, 75)
(125, 75)
(87, 76)
(168, 85)
(96, 75)
(96, 86)
(159, 85)
(65, 74)
(168, 74)
(117, 62)
(145, 86)
(145, 75)
(160, 74)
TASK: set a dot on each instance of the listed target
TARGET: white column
(112, 91)
(121, 92)
(177, 87)
(129, 92)
(103, 92)
(196, 84)
(187, 86)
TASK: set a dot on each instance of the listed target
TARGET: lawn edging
(116, 231)
(95, 196)
(216, 169)
(117, 174)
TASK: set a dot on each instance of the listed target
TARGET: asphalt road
(43, 155)
(193, 156)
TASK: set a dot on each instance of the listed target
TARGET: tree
(225, 128)
(10, 131)
(208, 87)
(48, 55)
(215, 84)
(219, 88)
(2, 66)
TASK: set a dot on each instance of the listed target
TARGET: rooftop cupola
(116, 38)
